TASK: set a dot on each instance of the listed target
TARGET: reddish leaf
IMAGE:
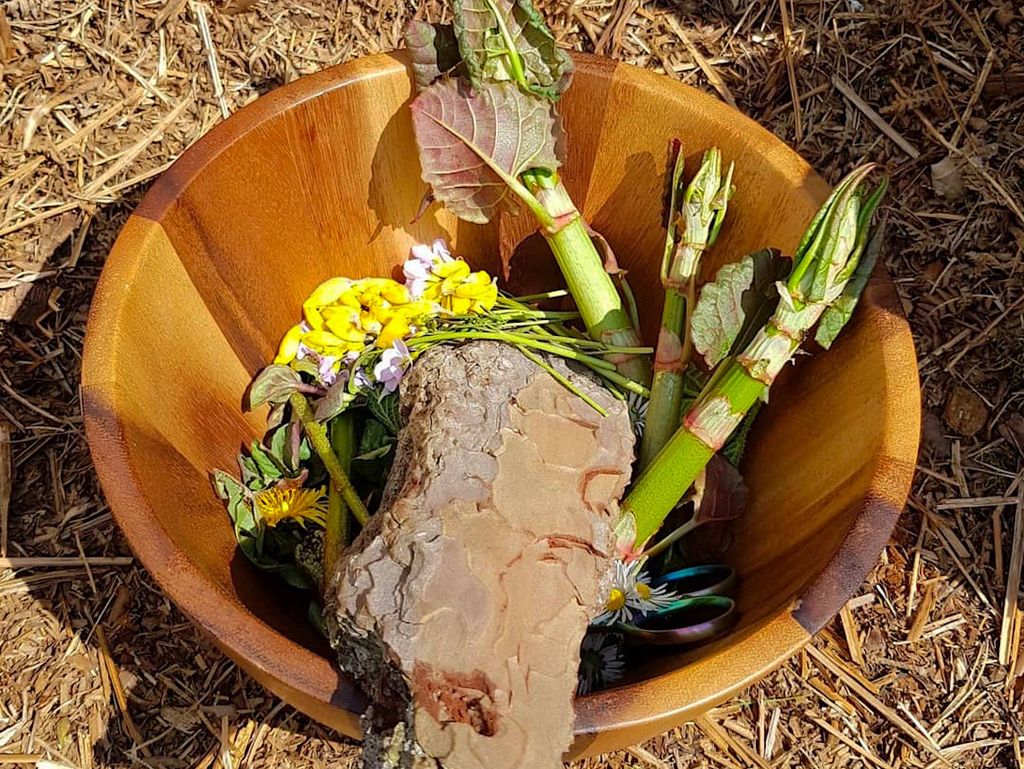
(475, 144)
(719, 492)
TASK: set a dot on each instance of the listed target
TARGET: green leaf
(315, 614)
(676, 190)
(839, 313)
(227, 487)
(270, 467)
(306, 366)
(738, 302)
(251, 475)
(386, 409)
(377, 453)
(507, 40)
(274, 384)
(434, 51)
(374, 438)
(474, 145)
(286, 446)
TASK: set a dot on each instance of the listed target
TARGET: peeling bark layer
(462, 606)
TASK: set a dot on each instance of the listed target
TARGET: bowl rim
(306, 678)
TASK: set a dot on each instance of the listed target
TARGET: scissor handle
(686, 621)
(712, 579)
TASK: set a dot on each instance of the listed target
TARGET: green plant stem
(667, 542)
(318, 439)
(826, 260)
(558, 377)
(663, 409)
(336, 530)
(589, 283)
(673, 470)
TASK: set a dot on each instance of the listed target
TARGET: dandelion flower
(278, 504)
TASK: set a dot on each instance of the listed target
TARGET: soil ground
(98, 96)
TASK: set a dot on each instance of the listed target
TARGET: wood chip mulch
(922, 669)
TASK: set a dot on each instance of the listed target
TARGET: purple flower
(362, 381)
(328, 374)
(421, 264)
(304, 350)
(392, 366)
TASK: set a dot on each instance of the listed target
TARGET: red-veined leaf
(474, 144)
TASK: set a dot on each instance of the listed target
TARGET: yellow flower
(453, 286)
(324, 295)
(289, 347)
(399, 325)
(343, 315)
(291, 504)
(616, 600)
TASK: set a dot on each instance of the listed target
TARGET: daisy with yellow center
(279, 503)
(631, 594)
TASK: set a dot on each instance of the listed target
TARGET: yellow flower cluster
(344, 315)
(459, 290)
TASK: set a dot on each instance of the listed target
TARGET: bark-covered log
(461, 607)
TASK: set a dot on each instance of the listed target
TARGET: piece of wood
(47, 562)
(462, 605)
(1013, 577)
(318, 179)
(921, 618)
(6, 471)
(869, 112)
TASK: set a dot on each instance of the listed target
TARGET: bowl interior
(321, 178)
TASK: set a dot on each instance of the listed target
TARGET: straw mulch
(922, 669)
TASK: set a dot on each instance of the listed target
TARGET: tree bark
(461, 607)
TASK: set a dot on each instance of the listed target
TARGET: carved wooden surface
(319, 178)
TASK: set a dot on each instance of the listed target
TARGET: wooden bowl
(320, 178)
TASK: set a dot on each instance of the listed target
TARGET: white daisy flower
(631, 594)
(637, 405)
(601, 662)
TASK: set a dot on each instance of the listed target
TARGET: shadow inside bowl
(320, 178)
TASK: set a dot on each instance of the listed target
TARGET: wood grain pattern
(320, 178)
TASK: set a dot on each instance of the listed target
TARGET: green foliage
(736, 304)
(835, 318)
(507, 40)
(385, 408)
(274, 384)
(271, 550)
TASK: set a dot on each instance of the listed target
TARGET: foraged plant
(489, 134)
(751, 344)
(696, 212)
